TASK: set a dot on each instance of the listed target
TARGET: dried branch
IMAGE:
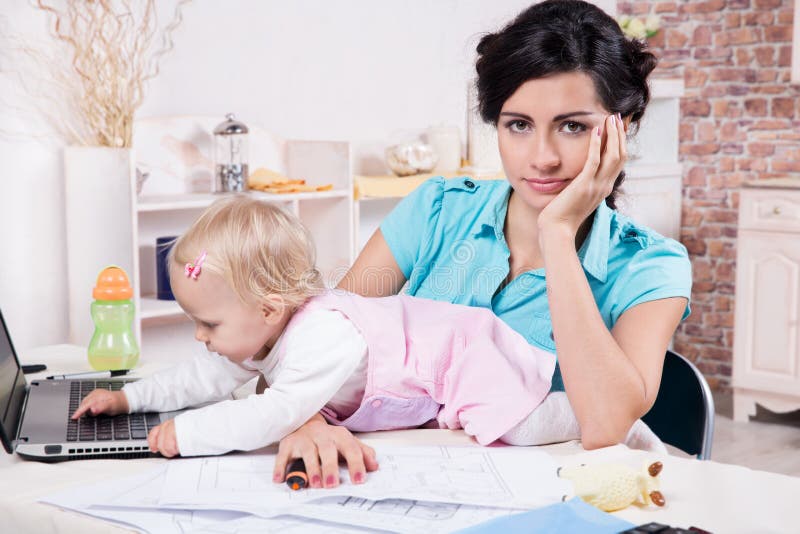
(92, 98)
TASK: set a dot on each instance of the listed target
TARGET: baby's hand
(102, 401)
(162, 439)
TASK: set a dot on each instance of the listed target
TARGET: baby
(245, 274)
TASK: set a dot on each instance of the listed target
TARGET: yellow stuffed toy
(612, 487)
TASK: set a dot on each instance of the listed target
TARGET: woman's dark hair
(558, 36)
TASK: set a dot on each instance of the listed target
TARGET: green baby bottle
(113, 344)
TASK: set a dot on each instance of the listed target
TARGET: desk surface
(718, 497)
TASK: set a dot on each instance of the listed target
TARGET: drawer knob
(776, 210)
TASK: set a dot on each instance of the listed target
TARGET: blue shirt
(447, 238)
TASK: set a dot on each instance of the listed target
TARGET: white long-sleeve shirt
(327, 367)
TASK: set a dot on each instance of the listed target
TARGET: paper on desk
(131, 502)
(509, 477)
(142, 490)
(235, 485)
(400, 515)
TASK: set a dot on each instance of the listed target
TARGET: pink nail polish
(598, 131)
(276, 477)
(316, 481)
(329, 481)
(358, 478)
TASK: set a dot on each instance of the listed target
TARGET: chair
(683, 414)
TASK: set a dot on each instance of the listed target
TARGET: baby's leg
(554, 421)
(551, 422)
(641, 437)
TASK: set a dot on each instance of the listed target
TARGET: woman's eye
(208, 325)
(518, 126)
(573, 127)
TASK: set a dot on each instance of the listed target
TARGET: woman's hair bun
(642, 59)
(485, 44)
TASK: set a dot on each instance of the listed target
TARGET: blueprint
(481, 476)
(416, 489)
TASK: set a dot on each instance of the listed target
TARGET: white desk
(718, 497)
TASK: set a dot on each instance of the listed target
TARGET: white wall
(358, 70)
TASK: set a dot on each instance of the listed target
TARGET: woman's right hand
(572, 206)
(319, 445)
(102, 401)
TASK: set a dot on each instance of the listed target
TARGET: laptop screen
(12, 388)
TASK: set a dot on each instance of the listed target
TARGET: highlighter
(296, 477)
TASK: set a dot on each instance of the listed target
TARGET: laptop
(36, 420)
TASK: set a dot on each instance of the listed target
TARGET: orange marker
(296, 477)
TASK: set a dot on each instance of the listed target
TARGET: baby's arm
(206, 377)
(322, 352)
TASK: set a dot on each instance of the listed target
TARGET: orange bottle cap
(112, 284)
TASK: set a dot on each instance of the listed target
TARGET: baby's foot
(641, 437)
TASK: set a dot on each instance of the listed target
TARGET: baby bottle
(113, 345)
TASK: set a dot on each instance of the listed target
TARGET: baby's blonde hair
(258, 248)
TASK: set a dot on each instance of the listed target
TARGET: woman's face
(543, 132)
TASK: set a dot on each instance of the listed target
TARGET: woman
(559, 82)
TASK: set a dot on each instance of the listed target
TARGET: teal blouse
(447, 237)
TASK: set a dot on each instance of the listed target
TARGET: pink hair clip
(192, 270)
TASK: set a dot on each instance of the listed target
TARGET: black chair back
(683, 414)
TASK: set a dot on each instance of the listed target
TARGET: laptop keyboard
(104, 427)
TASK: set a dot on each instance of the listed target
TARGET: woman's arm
(375, 272)
(611, 377)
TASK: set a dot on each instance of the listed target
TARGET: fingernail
(316, 481)
(329, 481)
(598, 131)
(276, 477)
(619, 117)
(358, 478)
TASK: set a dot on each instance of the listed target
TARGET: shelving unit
(171, 214)
(108, 223)
(327, 214)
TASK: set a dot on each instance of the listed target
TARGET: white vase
(446, 142)
(100, 192)
(482, 149)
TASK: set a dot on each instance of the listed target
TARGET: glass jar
(230, 156)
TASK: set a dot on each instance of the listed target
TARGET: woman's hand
(570, 208)
(317, 441)
(102, 401)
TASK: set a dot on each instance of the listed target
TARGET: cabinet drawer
(770, 210)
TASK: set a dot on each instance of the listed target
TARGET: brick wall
(740, 120)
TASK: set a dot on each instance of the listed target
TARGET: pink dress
(460, 365)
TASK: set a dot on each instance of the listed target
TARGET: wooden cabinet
(766, 351)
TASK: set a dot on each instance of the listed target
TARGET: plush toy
(613, 487)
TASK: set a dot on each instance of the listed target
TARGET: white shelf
(152, 308)
(200, 200)
(666, 87)
(636, 170)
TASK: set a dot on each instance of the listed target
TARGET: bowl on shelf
(411, 158)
